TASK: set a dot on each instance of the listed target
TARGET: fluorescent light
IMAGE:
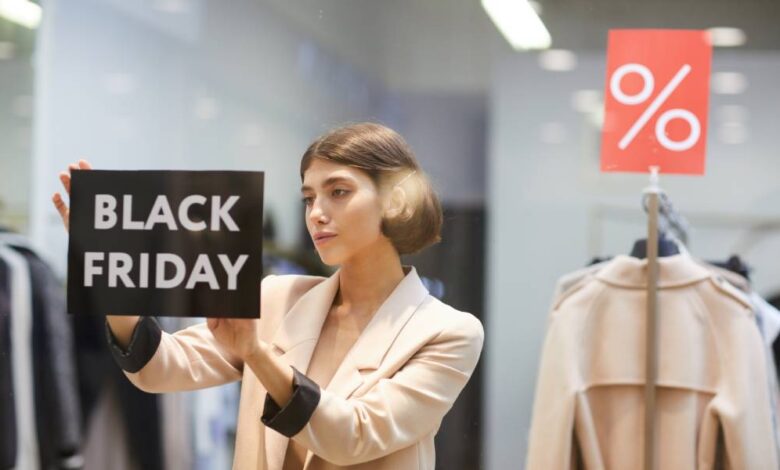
(519, 23)
(727, 37)
(23, 12)
(558, 60)
(596, 117)
(586, 101)
(733, 133)
(733, 113)
(729, 83)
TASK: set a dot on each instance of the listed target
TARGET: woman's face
(343, 201)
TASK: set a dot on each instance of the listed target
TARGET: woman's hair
(386, 157)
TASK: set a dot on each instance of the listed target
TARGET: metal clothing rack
(756, 227)
(660, 214)
(652, 194)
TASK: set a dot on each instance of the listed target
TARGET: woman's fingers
(65, 180)
(61, 208)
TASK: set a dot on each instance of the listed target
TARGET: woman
(356, 370)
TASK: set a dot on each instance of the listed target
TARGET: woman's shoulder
(449, 319)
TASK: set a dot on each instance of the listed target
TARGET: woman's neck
(366, 281)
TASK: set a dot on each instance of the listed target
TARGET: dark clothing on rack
(775, 302)
(57, 405)
(666, 247)
(139, 410)
(7, 403)
(735, 265)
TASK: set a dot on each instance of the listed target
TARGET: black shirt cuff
(289, 420)
(143, 344)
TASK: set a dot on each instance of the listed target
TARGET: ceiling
(448, 45)
(583, 25)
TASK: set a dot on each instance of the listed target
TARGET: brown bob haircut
(386, 157)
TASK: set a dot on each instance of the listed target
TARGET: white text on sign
(121, 264)
(161, 213)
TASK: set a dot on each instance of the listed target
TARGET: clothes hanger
(672, 231)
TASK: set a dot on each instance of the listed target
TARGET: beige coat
(713, 401)
(385, 402)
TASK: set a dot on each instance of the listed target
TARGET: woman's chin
(329, 260)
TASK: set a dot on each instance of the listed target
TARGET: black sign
(168, 243)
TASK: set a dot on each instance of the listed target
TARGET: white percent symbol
(663, 120)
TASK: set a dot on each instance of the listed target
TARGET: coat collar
(674, 271)
(299, 332)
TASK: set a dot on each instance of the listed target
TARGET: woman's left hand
(239, 336)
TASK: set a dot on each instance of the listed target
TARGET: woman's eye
(306, 201)
(340, 192)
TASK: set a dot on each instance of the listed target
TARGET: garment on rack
(7, 402)
(569, 280)
(175, 416)
(712, 395)
(106, 445)
(138, 411)
(57, 405)
(21, 358)
(768, 318)
(736, 273)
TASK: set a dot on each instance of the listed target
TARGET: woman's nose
(317, 214)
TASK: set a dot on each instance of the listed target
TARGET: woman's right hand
(121, 326)
(62, 208)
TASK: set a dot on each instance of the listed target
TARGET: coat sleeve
(400, 410)
(551, 437)
(189, 359)
(743, 406)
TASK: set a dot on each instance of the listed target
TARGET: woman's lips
(324, 239)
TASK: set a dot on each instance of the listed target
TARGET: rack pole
(651, 344)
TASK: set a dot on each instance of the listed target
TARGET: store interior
(509, 134)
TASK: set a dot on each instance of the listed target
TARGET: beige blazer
(385, 402)
(713, 406)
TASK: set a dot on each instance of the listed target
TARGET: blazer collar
(299, 332)
(674, 271)
(301, 326)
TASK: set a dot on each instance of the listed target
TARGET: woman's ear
(395, 204)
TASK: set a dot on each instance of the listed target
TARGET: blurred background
(502, 102)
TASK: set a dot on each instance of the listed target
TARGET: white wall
(131, 87)
(540, 198)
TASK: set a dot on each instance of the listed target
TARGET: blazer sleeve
(189, 359)
(743, 406)
(397, 411)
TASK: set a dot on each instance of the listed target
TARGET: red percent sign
(639, 63)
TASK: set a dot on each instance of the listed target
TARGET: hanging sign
(657, 88)
(167, 243)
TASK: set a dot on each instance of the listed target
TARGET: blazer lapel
(295, 341)
(377, 337)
